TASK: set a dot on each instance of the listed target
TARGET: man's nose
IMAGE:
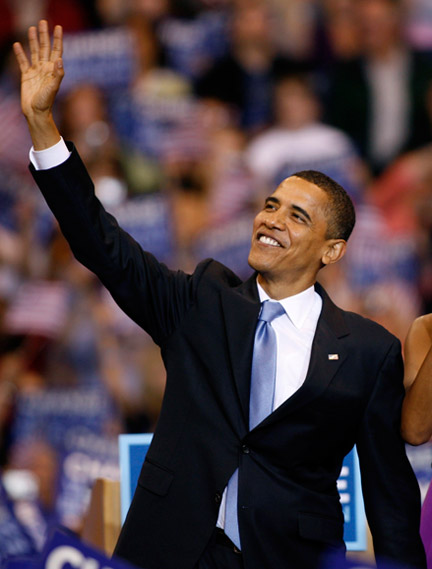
(274, 220)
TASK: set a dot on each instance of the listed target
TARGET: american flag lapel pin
(333, 356)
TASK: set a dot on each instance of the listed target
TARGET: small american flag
(39, 308)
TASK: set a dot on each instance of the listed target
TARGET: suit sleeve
(390, 489)
(155, 297)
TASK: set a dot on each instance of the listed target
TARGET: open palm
(41, 77)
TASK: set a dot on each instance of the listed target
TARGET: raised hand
(40, 82)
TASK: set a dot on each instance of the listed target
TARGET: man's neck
(277, 290)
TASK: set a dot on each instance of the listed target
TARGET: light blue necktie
(261, 398)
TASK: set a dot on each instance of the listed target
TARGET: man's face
(379, 23)
(289, 243)
(296, 106)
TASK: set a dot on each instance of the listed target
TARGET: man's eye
(298, 217)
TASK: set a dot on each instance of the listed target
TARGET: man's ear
(334, 252)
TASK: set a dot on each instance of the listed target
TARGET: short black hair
(340, 212)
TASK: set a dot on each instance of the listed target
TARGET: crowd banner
(148, 220)
(133, 449)
(21, 563)
(64, 550)
(85, 460)
(102, 57)
(228, 243)
(15, 541)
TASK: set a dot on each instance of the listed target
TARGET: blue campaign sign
(22, 563)
(349, 486)
(148, 220)
(15, 541)
(228, 243)
(132, 451)
(65, 550)
(58, 415)
(103, 57)
(86, 458)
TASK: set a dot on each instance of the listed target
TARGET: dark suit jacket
(289, 509)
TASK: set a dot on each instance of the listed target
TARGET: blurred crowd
(188, 113)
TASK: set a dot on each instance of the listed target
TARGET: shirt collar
(297, 307)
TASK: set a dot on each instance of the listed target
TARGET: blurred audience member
(341, 35)
(379, 98)
(156, 103)
(245, 77)
(298, 140)
(18, 15)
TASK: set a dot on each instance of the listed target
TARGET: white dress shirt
(51, 157)
(294, 331)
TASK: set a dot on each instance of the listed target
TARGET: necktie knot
(270, 311)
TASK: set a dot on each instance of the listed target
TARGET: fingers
(34, 45)
(57, 50)
(21, 57)
(40, 49)
(44, 41)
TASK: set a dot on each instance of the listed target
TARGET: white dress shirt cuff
(51, 157)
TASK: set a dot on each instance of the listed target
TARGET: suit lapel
(240, 310)
(327, 356)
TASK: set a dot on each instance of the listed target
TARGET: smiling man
(269, 384)
(308, 220)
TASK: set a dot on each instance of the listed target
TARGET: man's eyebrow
(273, 200)
(302, 211)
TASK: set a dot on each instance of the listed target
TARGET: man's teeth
(269, 241)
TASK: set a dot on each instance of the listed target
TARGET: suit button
(217, 498)
(245, 449)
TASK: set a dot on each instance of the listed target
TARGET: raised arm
(417, 407)
(40, 82)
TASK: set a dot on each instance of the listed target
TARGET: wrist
(43, 130)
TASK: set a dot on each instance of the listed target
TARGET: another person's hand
(40, 82)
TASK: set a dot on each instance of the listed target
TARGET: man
(337, 378)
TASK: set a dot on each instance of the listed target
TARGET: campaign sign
(349, 486)
(14, 539)
(132, 451)
(21, 563)
(58, 415)
(191, 45)
(103, 57)
(148, 220)
(86, 458)
(65, 551)
(229, 243)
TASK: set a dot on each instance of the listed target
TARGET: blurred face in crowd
(251, 25)
(379, 24)
(153, 10)
(296, 105)
(289, 238)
